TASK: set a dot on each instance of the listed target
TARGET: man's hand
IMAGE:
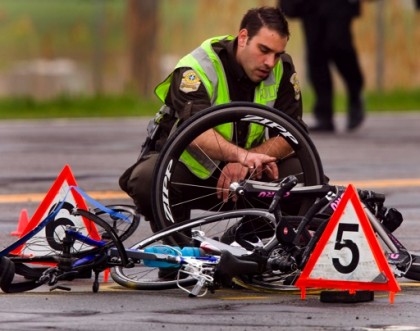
(254, 163)
(232, 172)
(258, 161)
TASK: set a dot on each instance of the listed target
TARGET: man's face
(260, 54)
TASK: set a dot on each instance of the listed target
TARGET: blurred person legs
(329, 41)
(346, 61)
(319, 72)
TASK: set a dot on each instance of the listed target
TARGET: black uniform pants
(329, 41)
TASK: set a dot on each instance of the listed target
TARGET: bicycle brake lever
(285, 186)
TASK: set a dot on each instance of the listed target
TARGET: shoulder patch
(190, 81)
(296, 86)
(285, 57)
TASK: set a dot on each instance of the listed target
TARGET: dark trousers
(329, 41)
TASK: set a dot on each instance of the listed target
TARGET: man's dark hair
(269, 17)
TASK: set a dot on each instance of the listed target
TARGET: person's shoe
(322, 128)
(356, 115)
(355, 121)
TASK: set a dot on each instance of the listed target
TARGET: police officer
(241, 67)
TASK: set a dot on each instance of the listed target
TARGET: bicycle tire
(7, 272)
(279, 123)
(142, 277)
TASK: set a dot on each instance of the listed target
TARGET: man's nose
(270, 60)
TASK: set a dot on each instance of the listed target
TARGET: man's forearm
(216, 147)
(276, 146)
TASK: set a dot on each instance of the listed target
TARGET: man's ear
(242, 37)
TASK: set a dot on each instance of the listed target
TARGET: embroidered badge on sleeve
(190, 82)
(294, 80)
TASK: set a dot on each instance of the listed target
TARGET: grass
(67, 107)
(132, 105)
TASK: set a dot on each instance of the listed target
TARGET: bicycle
(66, 252)
(275, 261)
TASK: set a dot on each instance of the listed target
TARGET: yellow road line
(381, 183)
(111, 195)
(37, 197)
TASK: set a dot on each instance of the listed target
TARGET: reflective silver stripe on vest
(270, 80)
(204, 60)
(208, 163)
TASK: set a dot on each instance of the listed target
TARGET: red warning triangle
(59, 191)
(348, 255)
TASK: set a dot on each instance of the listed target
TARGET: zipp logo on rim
(165, 193)
(257, 119)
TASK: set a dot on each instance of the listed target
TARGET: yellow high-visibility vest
(207, 65)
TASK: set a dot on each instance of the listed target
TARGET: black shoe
(356, 115)
(355, 122)
(322, 128)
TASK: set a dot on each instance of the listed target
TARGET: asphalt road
(383, 155)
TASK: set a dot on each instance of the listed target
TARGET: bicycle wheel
(45, 250)
(144, 277)
(174, 198)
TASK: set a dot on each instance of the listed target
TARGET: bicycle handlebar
(368, 195)
(285, 186)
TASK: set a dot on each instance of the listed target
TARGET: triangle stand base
(346, 296)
